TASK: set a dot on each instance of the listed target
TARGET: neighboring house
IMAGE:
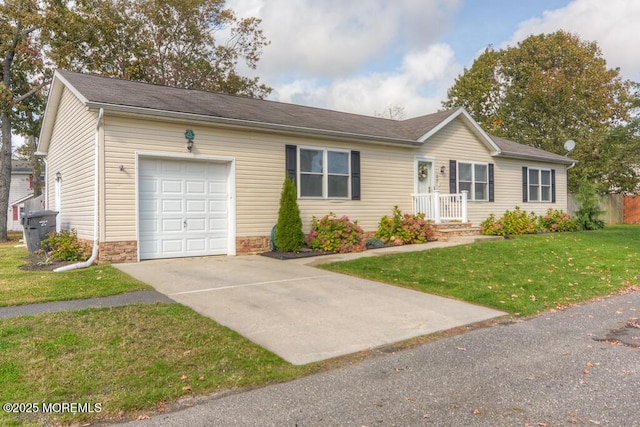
(121, 169)
(20, 191)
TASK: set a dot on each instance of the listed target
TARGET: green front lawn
(131, 360)
(524, 275)
(19, 287)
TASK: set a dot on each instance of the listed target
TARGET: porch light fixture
(190, 137)
(442, 170)
(58, 176)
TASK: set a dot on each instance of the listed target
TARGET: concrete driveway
(301, 313)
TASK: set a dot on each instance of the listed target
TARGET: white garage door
(183, 208)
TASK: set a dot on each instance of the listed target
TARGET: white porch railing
(440, 207)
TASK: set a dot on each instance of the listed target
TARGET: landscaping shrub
(374, 243)
(289, 236)
(66, 246)
(557, 221)
(399, 229)
(335, 234)
(513, 222)
(588, 216)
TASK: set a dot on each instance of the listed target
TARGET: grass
(524, 275)
(131, 360)
(19, 287)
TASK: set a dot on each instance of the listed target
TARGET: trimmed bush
(513, 222)
(557, 221)
(399, 229)
(66, 246)
(289, 236)
(335, 234)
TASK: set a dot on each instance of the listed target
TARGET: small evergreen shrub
(557, 221)
(514, 222)
(374, 243)
(289, 236)
(399, 229)
(66, 246)
(335, 234)
(588, 215)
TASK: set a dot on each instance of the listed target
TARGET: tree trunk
(5, 173)
(37, 165)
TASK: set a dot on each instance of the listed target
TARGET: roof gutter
(96, 205)
(564, 160)
(241, 123)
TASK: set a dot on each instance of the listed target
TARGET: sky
(366, 56)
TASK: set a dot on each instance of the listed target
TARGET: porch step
(454, 229)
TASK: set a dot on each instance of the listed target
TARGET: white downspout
(96, 206)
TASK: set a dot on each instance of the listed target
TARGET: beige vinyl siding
(71, 152)
(386, 174)
(456, 142)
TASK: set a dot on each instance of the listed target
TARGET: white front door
(183, 208)
(424, 176)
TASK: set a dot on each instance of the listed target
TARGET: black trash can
(37, 224)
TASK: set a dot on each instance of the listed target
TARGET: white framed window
(474, 178)
(324, 173)
(540, 186)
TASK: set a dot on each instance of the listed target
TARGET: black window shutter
(453, 179)
(525, 184)
(355, 175)
(291, 161)
(491, 191)
(553, 185)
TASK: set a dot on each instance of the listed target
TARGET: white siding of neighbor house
(453, 143)
(19, 189)
(71, 152)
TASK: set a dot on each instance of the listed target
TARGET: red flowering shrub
(335, 234)
(399, 229)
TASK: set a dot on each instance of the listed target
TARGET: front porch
(440, 207)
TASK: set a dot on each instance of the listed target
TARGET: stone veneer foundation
(117, 252)
(127, 251)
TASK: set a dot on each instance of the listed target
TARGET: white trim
(416, 162)
(539, 185)
(484, 137)
(325, 172)
(472, 192)
(231, 190)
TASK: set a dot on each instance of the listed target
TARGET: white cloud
(355, 56)
(417, 85)
(613, 24)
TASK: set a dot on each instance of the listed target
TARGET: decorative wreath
(423, 172)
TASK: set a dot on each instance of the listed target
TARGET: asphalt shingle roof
(105, 91)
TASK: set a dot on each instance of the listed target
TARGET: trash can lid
(36, 214)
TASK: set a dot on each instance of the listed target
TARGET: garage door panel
(170, 186)
(196, 206)
(173, 193)
(171, 206)
(195, 187)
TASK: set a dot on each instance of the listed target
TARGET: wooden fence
(612, 204)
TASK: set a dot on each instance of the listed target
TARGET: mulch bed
(303, 253)
(41, 262)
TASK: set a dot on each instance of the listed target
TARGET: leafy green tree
(20, 81)
(289, 236)
(170, 42)
(546, 90)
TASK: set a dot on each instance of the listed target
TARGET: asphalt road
(554, 369)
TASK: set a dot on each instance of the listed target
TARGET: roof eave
(512, 155)
(240, 123)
